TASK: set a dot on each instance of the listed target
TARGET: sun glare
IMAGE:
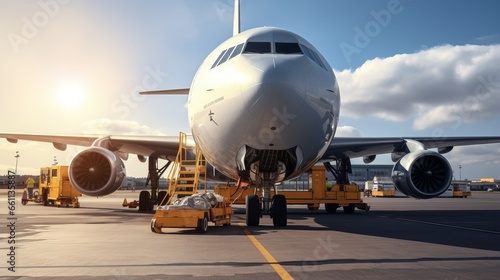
(70, 96)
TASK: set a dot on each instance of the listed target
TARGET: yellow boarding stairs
(185, 173)
(184, 181)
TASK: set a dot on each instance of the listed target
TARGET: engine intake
(96, 171)
(422, 174)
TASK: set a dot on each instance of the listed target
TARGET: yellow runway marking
(270, 259)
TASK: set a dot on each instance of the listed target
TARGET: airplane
(263, 108)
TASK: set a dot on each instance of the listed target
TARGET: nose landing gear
(257, 206)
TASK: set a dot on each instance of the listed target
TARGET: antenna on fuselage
(236, 22)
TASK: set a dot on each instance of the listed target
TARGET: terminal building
(365, 172)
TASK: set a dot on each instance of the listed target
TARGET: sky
(405, 68)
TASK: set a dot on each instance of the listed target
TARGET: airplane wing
(353, 147)
(161, 146)
(341, 147)
(418, 172)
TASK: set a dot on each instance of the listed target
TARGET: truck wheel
(331, 208)
(349, 209)
(253, 210)
(311, 207)
(154, 228)
(45, 196)
(202, 225)
(279, 211)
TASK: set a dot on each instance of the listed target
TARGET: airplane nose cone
(278, 85)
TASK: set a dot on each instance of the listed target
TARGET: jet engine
(96, 171)
(422, 174)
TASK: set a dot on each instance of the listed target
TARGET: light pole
(17, 158)
(460, 171)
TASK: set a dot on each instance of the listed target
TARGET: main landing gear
(148, 199)
(256, 206)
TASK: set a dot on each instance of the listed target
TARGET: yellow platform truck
(170, 216)
(461, 189)
(55, 187)
(311, 189)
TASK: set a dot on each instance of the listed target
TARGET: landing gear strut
(340, 172)
(343, 166)
(148, 199)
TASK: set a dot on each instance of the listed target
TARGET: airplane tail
(236, 22)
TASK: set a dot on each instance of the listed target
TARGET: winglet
(236, 22)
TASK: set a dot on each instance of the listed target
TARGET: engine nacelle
(96, 172)
(422, 174)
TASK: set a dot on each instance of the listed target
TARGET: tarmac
(399, 238)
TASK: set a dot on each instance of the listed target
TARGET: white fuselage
(263, 101)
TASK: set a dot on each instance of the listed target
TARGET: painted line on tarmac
(450, 226)
(270, 259)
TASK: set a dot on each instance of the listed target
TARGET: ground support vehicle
(184, 177)
(461, 190)
(132, 204)
(54, 188)
(380, 187)
(311, 189)
(191, 218)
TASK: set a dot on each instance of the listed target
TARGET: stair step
(184, 186)
(183, 193)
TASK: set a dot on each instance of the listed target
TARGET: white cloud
(476, 154)
(440, 86)
(117, 127)
(347, 131)
(477, 161)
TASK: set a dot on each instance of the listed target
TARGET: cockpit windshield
(228, 54)
(287, 48)
(258, 47)
(253, 47)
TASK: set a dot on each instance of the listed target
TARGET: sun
(70, 96)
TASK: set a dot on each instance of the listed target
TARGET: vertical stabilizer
(236, 23)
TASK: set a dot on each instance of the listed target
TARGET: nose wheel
(277, 211)
(253, 210)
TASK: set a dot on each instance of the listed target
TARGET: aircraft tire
(161, 196)
(279, 211)
(144, 201)
(252, 210)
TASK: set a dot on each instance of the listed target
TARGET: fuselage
(264, 106)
